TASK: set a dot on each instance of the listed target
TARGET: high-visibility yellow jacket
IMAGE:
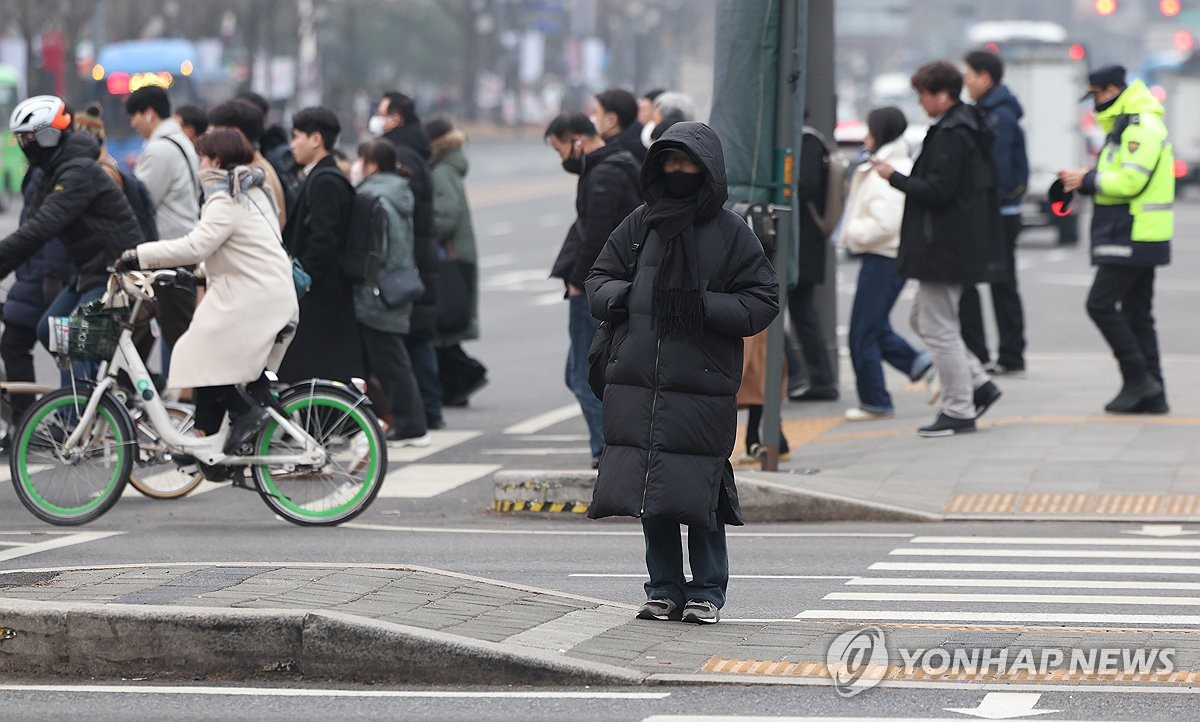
(1133, 183)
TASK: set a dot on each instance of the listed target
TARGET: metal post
(788, 133)
(822, 115)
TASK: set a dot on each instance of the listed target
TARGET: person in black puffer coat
(681, 305)
(75, 201)
(39, 280)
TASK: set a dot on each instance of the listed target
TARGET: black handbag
(399, 287)
(455, 296)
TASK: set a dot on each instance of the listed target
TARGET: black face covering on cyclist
(682, 185)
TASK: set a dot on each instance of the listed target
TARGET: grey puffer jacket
(398, 202)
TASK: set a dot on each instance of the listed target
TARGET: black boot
(1155, 405)
(245, 427)
(1134, 393)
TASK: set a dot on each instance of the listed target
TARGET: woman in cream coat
(239, 327)
(871, 229)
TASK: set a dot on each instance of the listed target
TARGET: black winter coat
(607, 192)
(812, 183)
(47, 269)
(670, 406)
(951, 230)
(412, 150)
(326, 344)
(78, 203)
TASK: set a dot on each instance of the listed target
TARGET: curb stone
(67, 638)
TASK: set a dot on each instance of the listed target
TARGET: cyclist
(75, 201)
(237, 239)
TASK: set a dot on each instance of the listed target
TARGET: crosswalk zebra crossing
(1080, 581)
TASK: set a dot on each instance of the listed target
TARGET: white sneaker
(417, 441)
(858, 414)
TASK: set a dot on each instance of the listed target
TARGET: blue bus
(124, 67)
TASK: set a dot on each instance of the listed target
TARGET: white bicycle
(319, 460)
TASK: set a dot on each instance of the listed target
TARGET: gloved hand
(127, 261)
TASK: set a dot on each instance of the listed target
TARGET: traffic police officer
(1133, 186)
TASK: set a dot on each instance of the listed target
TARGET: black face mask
(683, 185)
(573, 165)
(37, 155)
(1101, 107)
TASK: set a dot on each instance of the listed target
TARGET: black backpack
(142, 205)
(366, 244)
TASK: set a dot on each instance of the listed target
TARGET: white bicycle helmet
(42, 119)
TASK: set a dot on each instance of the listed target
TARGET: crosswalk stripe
(442, 440)
(1013, 598)
(1057, 568)
(422, 481)
(1076, 541)
(544, 421)
(1000, 616)
(1019, 583)
(1053, 553)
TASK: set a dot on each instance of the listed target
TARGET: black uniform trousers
(1006, 302)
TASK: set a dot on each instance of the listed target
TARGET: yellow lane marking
(803, 668)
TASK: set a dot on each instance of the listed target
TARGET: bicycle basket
(93, 332)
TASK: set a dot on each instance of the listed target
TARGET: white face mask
(647, 129)
(375, 125)
(356, 170)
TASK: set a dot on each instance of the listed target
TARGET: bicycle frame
(207, 449)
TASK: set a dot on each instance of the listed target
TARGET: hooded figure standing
(683, 282)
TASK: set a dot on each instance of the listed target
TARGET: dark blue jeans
(707, 553)
(63, 305)
(872, 340)
(425, 368)
(581, 326)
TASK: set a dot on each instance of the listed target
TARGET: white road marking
(422, 481)
(65, 540)
(1052, 553)
(551, 438)
(442, 440)
(1065, 540)
(1039, 568)
(521, 279)
(547, 299)
(598, 532)
(1004, 705)
(536, 451)
(1020, 583)
(498, 228)
(279, 692)
(999, 616)
(1013, 598)
(496, 260)
(731, 576)
(544, 421)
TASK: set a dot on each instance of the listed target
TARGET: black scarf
(678, 306)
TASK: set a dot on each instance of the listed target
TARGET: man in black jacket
(396, 121)
(75, 201)
(948, 238)
(616, 120)
(606, 193)
(326, 344)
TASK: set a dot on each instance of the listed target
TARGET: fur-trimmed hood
(445, 146)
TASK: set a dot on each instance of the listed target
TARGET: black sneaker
(246, 426)
(996, 368)
(946, 426)
(984, 397)
(698, 611)
(820, 394)
(660, 609)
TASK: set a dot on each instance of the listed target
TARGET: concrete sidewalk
(1045, 450)
(408, 625)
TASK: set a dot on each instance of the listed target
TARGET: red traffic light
(1077, 51)
(1184, 40)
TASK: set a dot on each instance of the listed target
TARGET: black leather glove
(127, 261)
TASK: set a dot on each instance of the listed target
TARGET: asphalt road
(434, 509)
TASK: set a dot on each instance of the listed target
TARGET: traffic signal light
(1106, 7)
(1170, 8)
(1184, 40)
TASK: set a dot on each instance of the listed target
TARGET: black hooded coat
(670, 406)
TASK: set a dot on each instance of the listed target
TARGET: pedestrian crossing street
(1024, 580)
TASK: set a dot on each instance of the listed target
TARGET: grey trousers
(934, 317)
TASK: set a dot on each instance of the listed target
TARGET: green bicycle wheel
(354, 469)
(74, 487)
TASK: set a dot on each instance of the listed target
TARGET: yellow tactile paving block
(1108, 504)
(797, 432)
(895, 672)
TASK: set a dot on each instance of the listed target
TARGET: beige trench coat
(250, 296)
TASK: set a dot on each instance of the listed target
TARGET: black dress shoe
(246, 426)
(946, 426)
(1156, 405)
(818, 394)
(985, 396)
(1133, 395)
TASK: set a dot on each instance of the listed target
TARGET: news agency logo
(852, 655)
